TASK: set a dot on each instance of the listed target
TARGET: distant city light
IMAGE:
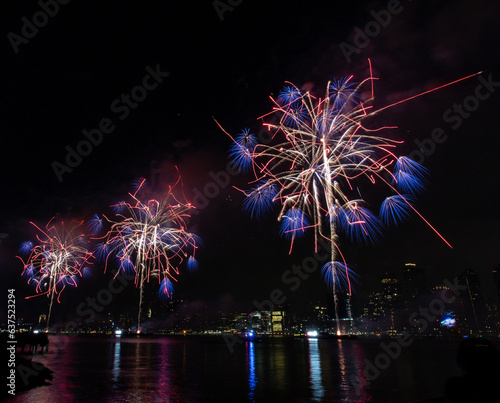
(312, 333)
(118, 332)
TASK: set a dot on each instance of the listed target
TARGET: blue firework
(166, 290)
(120, 207)
(361, 225)
(294, 223)
(324, 125)
(29, 272)
(65, 280)
(339, 217)
(193, 240)
(26, 247)
(101, 251)
(395, 209)
(340, 273)
(192, 264)
(86, 272)
(289, 95)
(296, 116)
(342, 91)
(95, 224)
(410, 176)
(124, 263)
(260, 200)
(241, 151)
(139, 184)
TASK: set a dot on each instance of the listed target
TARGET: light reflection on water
(252, 378)
(116, 362)
(315, 370)
(191, 369)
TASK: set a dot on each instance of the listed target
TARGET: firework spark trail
(320, 147)
(149, 238)
(57, 261)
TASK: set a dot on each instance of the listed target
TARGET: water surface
(198, 369)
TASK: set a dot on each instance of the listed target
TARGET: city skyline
(389, 306)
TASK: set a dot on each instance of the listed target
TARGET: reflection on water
(194, 369)
(344, 381)
(315, 370)
(252, 378)
(116, 362)
(357, 378)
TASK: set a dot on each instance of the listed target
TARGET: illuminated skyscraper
(278, 320)
(391, 290)
(391, 298)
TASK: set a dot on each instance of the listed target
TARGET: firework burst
(321, 152)
(148, 238)
(56, 261)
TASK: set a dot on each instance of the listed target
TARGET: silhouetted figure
(480, 361)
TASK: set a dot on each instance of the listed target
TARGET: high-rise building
(320, 313)
(472, 302)
(42, 321)
(391, 290)
(266, 320)
(374, 310)
(278, 321)
(492, 326)
(496, 278)
(391, 299)
(125, 322)
(413, 282)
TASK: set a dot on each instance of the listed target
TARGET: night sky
(224, 64)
